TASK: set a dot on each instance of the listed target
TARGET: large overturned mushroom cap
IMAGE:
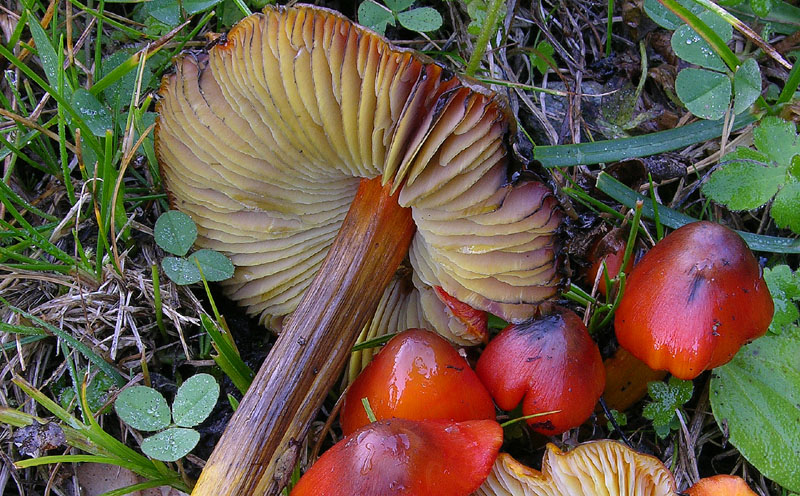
(264, 138)
(599, 468)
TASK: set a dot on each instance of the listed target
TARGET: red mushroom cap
(475, 321)
(549, 364)
(611, 250)
(406, 458)
(418, 376)
(693, 301)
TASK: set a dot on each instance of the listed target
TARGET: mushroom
(693, 300)
(403, 306)
(549, 364)
(311, 151)
(475, 322)
(418, 376)
(608, 250)
(406, 457)
(599, 468)
(626, 379)
(721, 485)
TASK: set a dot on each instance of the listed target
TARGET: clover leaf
(376, 16)
(667, 397)
(747, 179)
(145, 409)
(175, 232)
(706, 90)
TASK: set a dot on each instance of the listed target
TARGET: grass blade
(11, 194)
(49, 404)
(40, 240)
(90, 139)
(228, 358)
(87, 352)
(46, 52)
(639, 146)
(374, 342)
(142, 486)
(11, 347)
(21, 329)
(791, 84)
(675, 219)
(745, 30)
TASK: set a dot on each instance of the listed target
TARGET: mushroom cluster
(316, 155)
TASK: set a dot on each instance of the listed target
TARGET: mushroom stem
(258, 451)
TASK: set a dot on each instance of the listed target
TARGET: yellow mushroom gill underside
(263, 140)
(599, 468)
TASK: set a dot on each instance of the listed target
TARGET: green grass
(79, 167)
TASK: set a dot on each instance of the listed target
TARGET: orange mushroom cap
(721, 485)
(475, 321)
(626, 379)
(550, 363)
(693, 301)
(406, 458)
(419, 376)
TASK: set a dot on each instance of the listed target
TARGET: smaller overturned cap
(599, 468)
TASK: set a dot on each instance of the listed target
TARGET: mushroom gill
(263, 141)
(283, 141)
(600, 468)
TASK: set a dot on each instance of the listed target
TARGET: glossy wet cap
(548, 364)
(418, 375)
(693, 300)
(406, 458)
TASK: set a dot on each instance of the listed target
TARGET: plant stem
(487, 30)
(157, 301)
(745, 30)
(609, 23)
